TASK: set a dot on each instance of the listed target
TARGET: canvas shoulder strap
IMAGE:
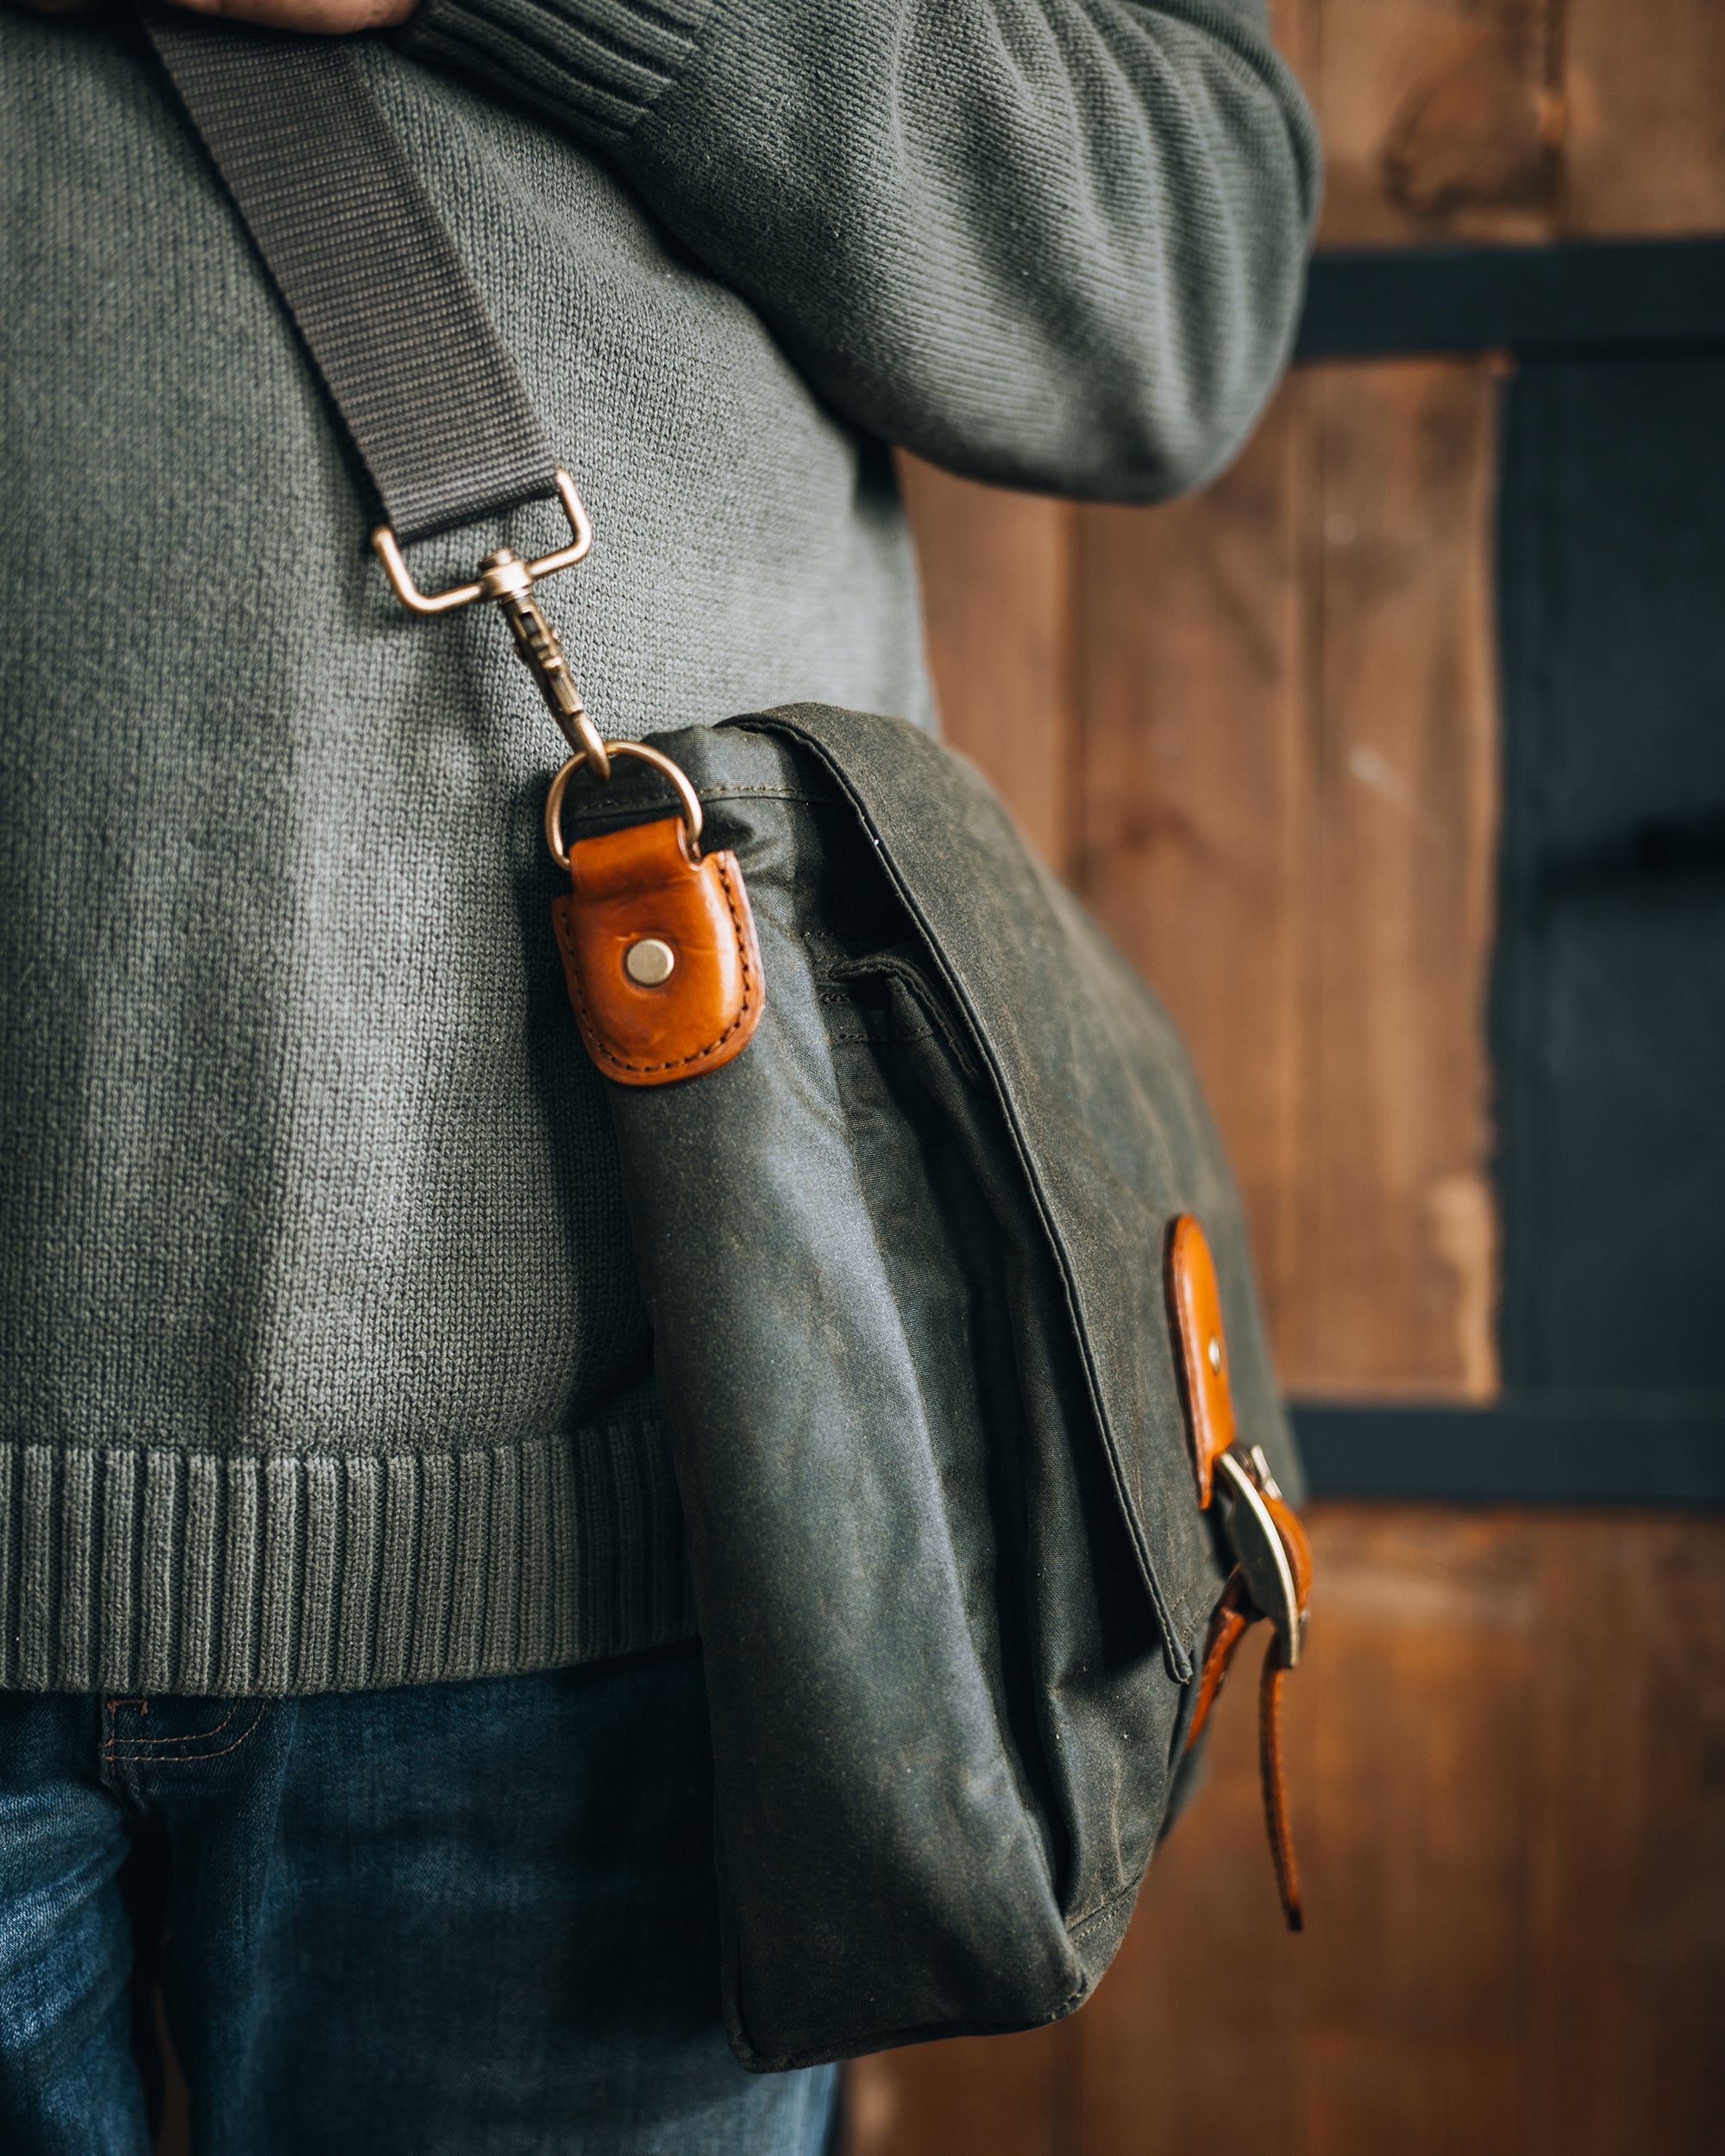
(385, 303)
(392, 320)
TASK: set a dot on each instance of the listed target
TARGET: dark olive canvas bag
(979, 1457)
(905, 1259)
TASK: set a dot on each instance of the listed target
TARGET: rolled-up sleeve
(1057, 244)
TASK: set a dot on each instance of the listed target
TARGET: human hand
(320, 17)
(317, 17)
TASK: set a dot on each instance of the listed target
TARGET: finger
(317, 17)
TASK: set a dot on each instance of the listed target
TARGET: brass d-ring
(686, 794)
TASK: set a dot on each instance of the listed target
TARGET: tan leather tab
(1276, 1786)
(1195, 1304)
(660, 955)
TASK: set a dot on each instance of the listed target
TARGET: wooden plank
(1398, 1232)
(1505, 1751)
(1288, 822)
(1645, 148)
(1626, 1750)
(1410, 1822)
(1441, 119)
(1491, 119)
(1195, 816)
(998, 591)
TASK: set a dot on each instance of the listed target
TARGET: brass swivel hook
(508, 581)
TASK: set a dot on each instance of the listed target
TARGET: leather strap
(385, 303)
(1275, 1783)
(1194, 1302)
(1233, 1618)
(1195, 1306)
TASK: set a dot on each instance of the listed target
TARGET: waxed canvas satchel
(905, 1257)
(955, 1341)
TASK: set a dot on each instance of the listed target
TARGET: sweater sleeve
(1056, 244)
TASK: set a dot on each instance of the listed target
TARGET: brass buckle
(508, 581)
(387, 549)
(1258, 1549)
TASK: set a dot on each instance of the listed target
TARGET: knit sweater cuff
(604, 63)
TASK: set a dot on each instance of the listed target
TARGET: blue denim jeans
(473, 1917)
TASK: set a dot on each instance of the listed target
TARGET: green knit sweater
(323, 1361)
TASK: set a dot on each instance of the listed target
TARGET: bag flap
(1103, 1106)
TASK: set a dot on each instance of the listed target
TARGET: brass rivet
(649, 961)
(1216, 1353)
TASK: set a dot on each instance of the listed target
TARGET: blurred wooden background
(1259, 730)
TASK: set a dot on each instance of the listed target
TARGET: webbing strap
(393, 321)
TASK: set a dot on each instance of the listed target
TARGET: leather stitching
(596, 1040)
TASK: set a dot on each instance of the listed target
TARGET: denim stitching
(193, 1758)
(151, 1744)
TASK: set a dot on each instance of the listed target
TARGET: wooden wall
(1513, 119)
(1510, 1747)
(1259, 729)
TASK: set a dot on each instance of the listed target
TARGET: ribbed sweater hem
(607, 62)
(144, 1568)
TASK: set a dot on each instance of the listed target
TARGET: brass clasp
(686, 794)
(1260, 1548)
(508, 581)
